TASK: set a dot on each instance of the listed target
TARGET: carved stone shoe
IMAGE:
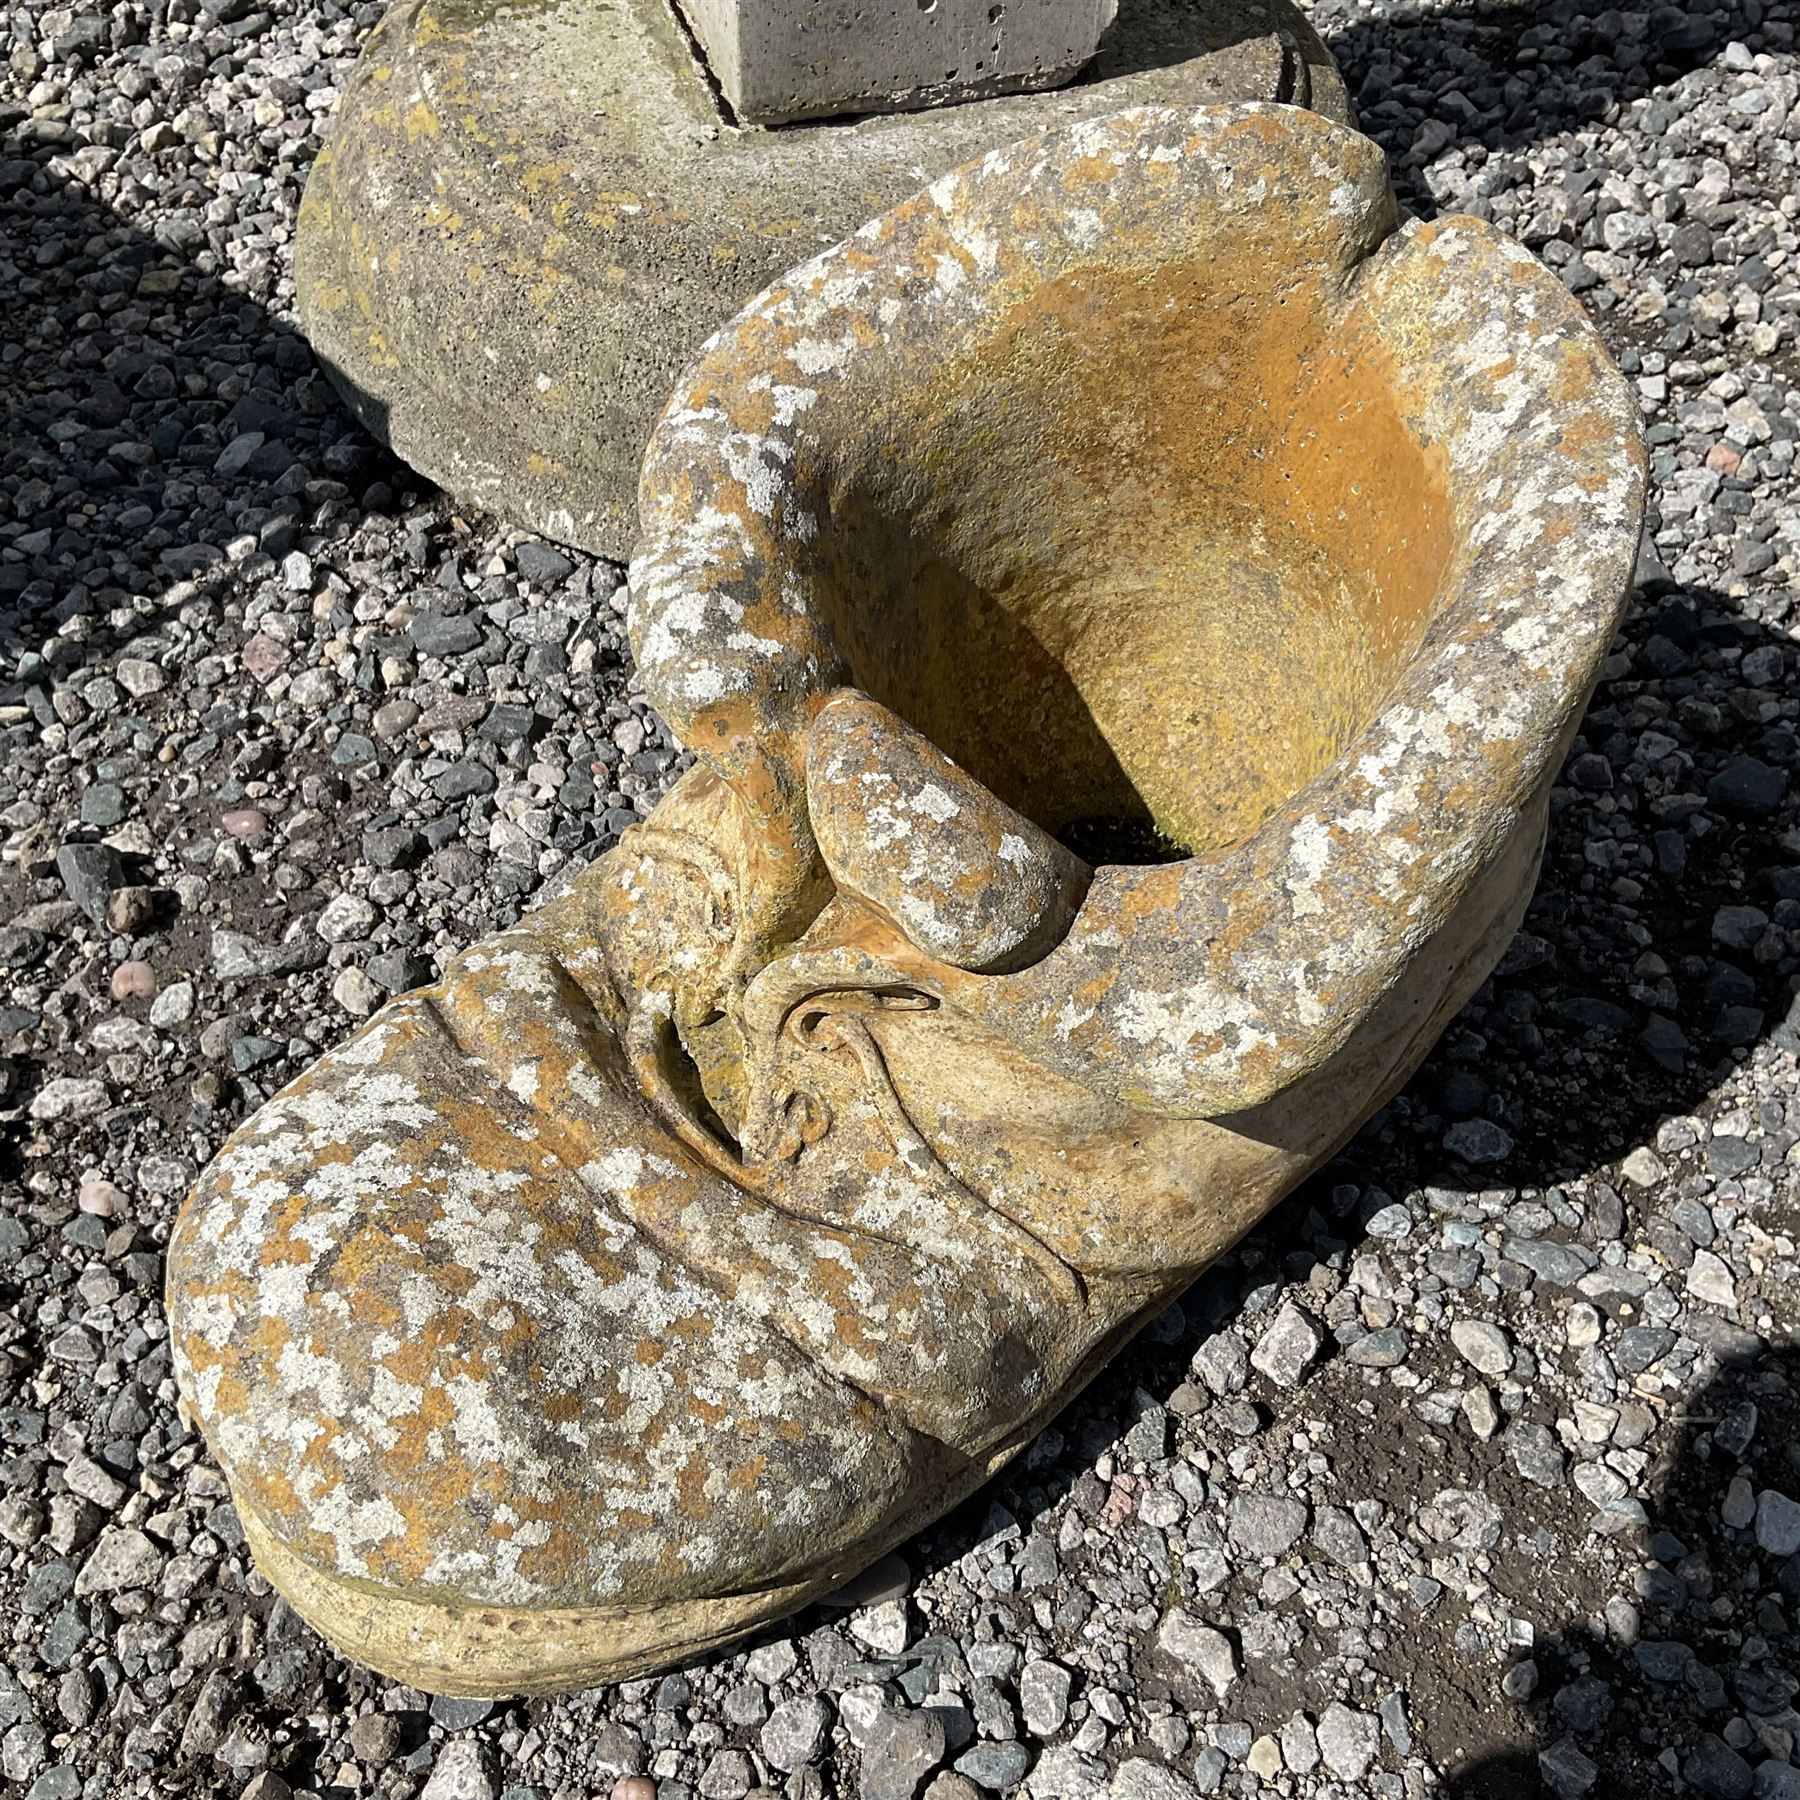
(1129, 604)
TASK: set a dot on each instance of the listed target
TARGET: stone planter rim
(1360, 865)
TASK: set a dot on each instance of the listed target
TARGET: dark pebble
(353, 751)
(1748, 785)
(439, 634)
(542, 565)
(90, 872)
(461, 780)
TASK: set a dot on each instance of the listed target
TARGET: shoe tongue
(964, 877)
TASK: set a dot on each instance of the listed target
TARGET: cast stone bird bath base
(529, 217)
(743, 1208)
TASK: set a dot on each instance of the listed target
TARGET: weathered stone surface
(528, 219)
(794, 60)
(691, 1243)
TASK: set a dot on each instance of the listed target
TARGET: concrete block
(781, 60)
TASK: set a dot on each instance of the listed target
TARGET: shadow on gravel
(1647, 966)
(164, 440)
(151, 419)
(1606, 1707)
(1510, 74)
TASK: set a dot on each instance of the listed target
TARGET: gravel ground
(1477, 1467)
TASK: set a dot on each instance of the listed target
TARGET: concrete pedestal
(529, 217)
(814, 59)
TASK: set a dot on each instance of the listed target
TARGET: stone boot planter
(1139, 492)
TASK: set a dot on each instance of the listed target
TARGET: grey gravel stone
(796, 1732)
(1738, 1509)
(63, 1782)
(998, 1767)
(90, 874)
(1566, 1772)
(772, 1664)
(1478, 1141)
(1739, 927)
(344, 917)
(376, 1738)
(237, 957)
(436, 634)
(1223, 1363)
(1535, 1453)
(1044, 1689)
(459, 1714)
(1557, 1265)
(1383, 1349)
(122, 1558)
(212, 1711)
(1289, 1346)
(1663, 1661)
(1200, 1647)
(542, 564)
(1585, 1704)
(1777, 1523)
(1748, 785)
(1709, 1279)
(1266, 1525)
(1483, 1345)
(464, 1769)
(1138, 1778)
(900, 1753)
(22, 1750)
(69, 1097)
(728, 1776)
(1299, 1745)
(1337, 1533)
(1349, 1740)
(1641, 1347)
(1716, 1770)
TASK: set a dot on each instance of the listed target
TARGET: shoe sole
(488, 1652)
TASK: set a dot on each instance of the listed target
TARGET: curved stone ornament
(1129, 604)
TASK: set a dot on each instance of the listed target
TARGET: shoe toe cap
(429, 1358)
